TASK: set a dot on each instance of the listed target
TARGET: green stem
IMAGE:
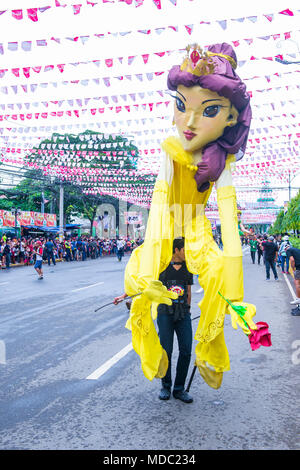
(237, 309)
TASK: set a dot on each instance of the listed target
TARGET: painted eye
(211, 111)
(180, 105)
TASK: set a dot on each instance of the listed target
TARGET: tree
(289, 220)
(94, 162)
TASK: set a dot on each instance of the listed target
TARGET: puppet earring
(173, 122)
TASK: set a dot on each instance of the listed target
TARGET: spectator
(294, 258)
(74, 249)
(49, 246)
(38, 266)
(253, 248)
(6, 253)
(283, 255)
(271, 253)
(259, 249)
(68, 250)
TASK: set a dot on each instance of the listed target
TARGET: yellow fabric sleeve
(145, 265)
(232, 249)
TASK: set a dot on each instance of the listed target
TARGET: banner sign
(249, 216)
(133, 218)
(7, 219)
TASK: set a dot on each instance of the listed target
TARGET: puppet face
(201, 116)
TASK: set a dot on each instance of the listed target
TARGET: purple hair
(225, 82)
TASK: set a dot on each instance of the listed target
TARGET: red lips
(189, 135)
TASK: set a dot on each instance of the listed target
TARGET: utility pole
(43, 203)
(61, 212)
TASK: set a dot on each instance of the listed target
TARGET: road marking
(108, 364)
(87, 287)
(290, 287)
(2, 352)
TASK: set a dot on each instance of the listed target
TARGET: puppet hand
(157, 292)
(242, 314)
(166, 170)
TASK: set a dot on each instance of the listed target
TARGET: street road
(70, 379)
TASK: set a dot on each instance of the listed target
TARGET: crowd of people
(272, 251)
(277, 252)
(23, 250)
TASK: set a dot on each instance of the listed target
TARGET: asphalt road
(55, 393)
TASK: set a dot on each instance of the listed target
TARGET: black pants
(50, 254)
(259, 255)
(183, 330)
(253, 256)
(271, 264)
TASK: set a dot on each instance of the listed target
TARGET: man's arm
(292, 263)
(276, 254)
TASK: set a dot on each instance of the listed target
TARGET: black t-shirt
(177, 281)
(270, 249)
(295, 253)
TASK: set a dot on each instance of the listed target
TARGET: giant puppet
(212, 114)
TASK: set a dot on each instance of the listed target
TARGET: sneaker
(276, 279)
(183, 396)
(165, 394)
(267, 279)
(295, 302)
(295, 312)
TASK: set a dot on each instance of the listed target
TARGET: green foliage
(289, 220)
(295, 242)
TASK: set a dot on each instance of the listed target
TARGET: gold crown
(199, 62)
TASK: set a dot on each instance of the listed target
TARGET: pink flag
(32, 14)
(26, 71)
(37, 69)
(189, 28)
(16, 72)
(17, 14)
(76, 9)
(157, 3)
(286, 12)
(109, 62)
(269, 17)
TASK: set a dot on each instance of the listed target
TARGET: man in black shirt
(294, 259)
(270, 254)
(176, 318)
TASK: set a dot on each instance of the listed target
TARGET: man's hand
(119, 299)
(157, 292)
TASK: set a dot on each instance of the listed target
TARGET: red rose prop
(260, 337)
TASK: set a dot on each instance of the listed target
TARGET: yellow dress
(178, 210)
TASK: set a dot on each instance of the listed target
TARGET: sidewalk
(22, 264)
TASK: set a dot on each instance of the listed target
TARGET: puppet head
(212, 112)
